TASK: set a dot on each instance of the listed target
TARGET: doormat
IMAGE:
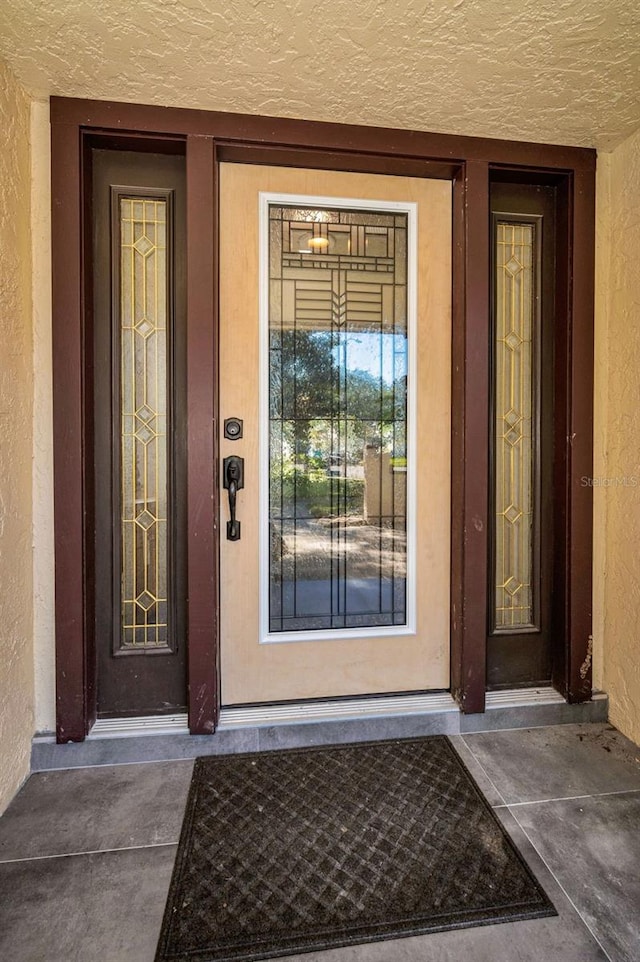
(306, 849)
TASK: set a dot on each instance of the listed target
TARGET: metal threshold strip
(325, 710)
(140, 725)
(335, 709)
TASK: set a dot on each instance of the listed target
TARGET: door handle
(233, 480)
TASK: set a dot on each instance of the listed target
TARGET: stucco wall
(618, 432)
(16, 390)
(43, 556)
(555, 71)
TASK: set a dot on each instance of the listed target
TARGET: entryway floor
(86, 855)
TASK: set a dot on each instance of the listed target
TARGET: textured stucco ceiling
(562, 71)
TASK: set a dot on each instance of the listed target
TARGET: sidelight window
(143, 373)
(516, 359)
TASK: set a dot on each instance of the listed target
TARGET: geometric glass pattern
(143, 411)
(338, 363)
(514, 436)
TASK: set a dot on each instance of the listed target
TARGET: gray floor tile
(92, 809)
(564, 938)
(85, 908)
(108, 906)
(541, 940)
(476, 770)
(593, 847)
(557, 762)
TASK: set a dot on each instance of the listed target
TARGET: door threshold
(380, 706)
(124, 741)
(514, 697)
(335, 709)
(140, 725)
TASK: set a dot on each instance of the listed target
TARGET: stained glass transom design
(143, 407)
(338, 364)
(514, 438)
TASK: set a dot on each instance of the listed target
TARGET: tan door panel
(336, 664)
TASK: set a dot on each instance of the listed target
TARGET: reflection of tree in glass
(326, 406)
(305, 371)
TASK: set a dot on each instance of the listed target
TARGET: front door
(335, 433)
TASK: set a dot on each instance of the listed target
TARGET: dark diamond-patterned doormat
(305, 849)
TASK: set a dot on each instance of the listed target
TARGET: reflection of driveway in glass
(318, 549)
(357, 603)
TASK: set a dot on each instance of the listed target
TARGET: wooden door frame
(208, 138)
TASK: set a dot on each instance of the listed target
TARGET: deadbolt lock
(233, 429)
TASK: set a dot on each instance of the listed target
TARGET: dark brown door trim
(202, 513)
(246, 129)
(572, 670)
(211, 137)
(75, 691)
(470, 436)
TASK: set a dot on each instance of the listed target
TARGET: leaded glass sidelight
(143, 376)
(338, 417)
(514, 430)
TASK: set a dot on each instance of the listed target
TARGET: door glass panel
(338, 413)
(514, 434)
(143, 416)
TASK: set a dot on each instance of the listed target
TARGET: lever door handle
(233, 480)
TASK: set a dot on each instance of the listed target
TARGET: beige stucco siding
(43, 559)
(554, 72)
(617, 434)
(16, 407)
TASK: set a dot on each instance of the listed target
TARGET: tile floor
(86, 855)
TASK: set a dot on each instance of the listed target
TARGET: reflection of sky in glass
(378, 354)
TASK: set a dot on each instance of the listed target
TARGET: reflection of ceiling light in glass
(318, 243)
